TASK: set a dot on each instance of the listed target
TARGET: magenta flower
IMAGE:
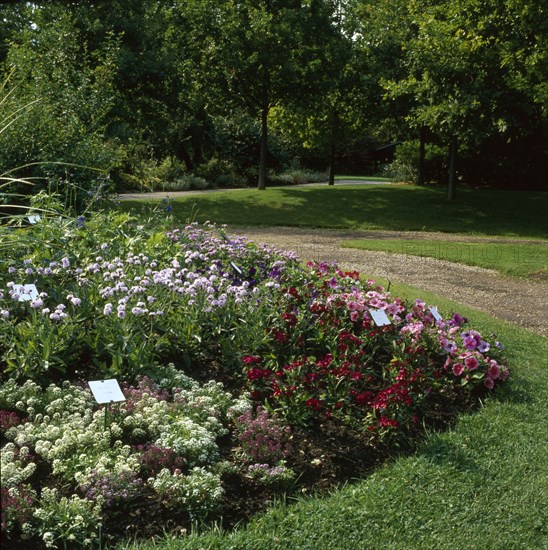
(493, 371)
(471, 362)
(470, 343)
(489, 383)
(458, 369)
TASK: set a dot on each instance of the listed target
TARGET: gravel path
(520, 301)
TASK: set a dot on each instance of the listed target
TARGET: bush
(297, 177)
(406, 163)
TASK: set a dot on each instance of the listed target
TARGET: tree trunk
(182, 154)
(264, 149)
(422, 142)
(333, 147)
(453, 149)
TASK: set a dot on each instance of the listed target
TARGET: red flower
(279, 335)
(315, 404)
(256, 373)
(385, 422)
(364, 398)
(290, 319)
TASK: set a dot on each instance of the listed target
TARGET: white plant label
(236, 269)
(380, 317)
(27, 293)
(434, 311)
(106, 391)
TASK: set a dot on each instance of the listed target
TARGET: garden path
(520, 301)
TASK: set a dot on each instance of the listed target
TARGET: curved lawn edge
(517, 259)
(477, 486)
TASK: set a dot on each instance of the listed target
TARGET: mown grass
(363, 178)
(518, 260)
(483, 484)
(387, 207)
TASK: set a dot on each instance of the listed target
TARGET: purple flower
(450, 347)
(484, 346)
(470, 343)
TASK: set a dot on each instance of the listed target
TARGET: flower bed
(244, 374)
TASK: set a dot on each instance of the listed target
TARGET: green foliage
(58, 100)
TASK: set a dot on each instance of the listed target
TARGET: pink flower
(458, 369)
(489, 383)
(493, 371)
(471, 362)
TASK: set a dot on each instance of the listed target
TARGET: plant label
(380, 317)
(435, 313)
(106, 391)
(236, 269)
(27, 293)
(34, 219)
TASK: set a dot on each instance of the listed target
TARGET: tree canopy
(221, 86)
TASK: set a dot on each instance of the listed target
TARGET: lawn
(356, 207)
(517, 260)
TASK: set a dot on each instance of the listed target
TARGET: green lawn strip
(363, 178)
(483, 484)
(368, 207)
(518, 260)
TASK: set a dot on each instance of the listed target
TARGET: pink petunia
(471, 362)
(493, 371)
(458, 369)
(489, 383)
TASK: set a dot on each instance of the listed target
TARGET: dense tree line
(228, 89)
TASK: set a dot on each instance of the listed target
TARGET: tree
(251, 55)
(72, 95)
(458, 79)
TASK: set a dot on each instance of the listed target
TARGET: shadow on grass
(397, 208)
